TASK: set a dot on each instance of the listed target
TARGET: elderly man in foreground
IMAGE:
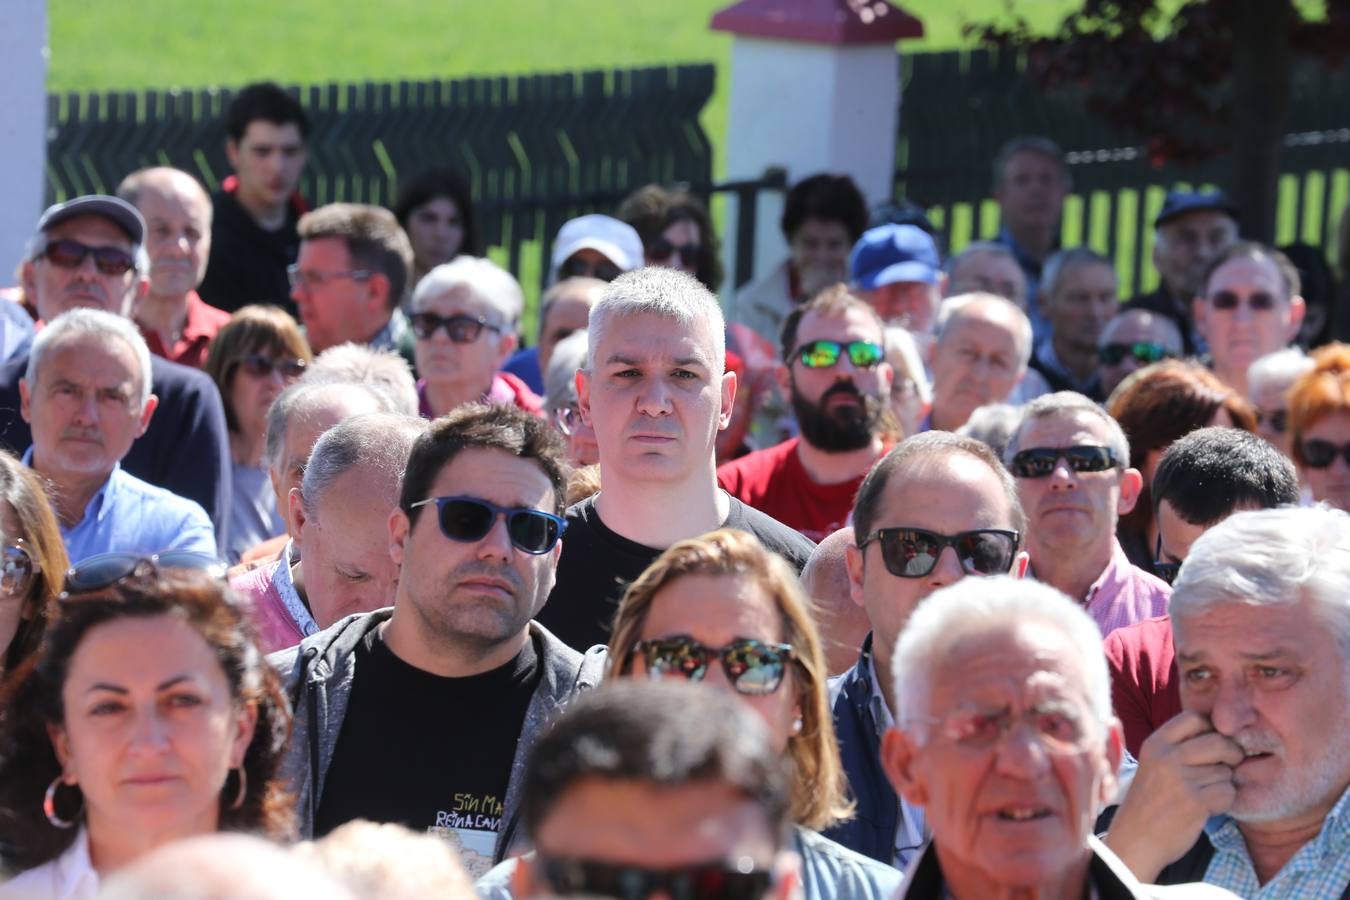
(1004, 733)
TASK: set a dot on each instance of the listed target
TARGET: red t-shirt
(203, 321)
(775, 482)
(1144, 685)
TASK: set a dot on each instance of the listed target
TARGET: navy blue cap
(891, 253)
(1179, 203)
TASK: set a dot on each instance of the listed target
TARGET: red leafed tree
(1209, 77)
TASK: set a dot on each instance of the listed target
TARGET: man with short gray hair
(986, 267)
(1072, 465)
(337, 517)
(86, 395)
(983, 346)
(1078, 299)
(381, 370)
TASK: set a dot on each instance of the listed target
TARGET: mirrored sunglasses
(823, 354)
(1143, 352)
(753, 667)
(1039, 462)
(914, 552)
(718, 880)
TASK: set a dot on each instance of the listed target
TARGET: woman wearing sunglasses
(676, 231)
(109, 751)
(1319, 419)
(258, 352)
(33, 564)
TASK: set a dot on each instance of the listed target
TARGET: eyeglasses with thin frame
(1167, 571)
(822, 354)
(1059, 726)
(914, 552)
(1319, 454)
(260, 365)
(1258, 301)
(69, 254)
(468, 519)
(461, 329)
(753, 667)
(1142, 352)
(103, 570)
(312, 280)
(18, 568)
(1040, 462)
(737, 879)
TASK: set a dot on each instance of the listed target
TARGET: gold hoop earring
(49, 807)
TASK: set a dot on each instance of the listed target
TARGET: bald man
(842, 623)
(176, 323)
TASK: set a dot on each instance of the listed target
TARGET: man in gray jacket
(456, 680)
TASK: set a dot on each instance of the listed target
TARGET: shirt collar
(196, 326)
(290, 597)
(1333, 840)
(75, 874)
(391, 335)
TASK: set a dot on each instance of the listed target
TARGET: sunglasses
(468, 519)
(106, 569)
(754, 668)
(1039, 462)
(1278, 420)
(823, 354)
(1228, 301)
(663, 249)
(720, 880)
(17, 568)
(1165, 570)
(1320, 454)
(580, 268)
(70, 254)
(259, 366)
(460, 329)
(1143, 352)
(914, 552)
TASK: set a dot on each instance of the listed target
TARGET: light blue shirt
(128, 515)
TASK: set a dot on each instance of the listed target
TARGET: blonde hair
(818, 782)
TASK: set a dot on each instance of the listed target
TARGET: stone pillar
(23, 128)
(815, 87)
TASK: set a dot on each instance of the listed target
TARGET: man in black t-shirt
(422, 714)
(656, 390)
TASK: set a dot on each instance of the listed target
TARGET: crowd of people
(315, 577)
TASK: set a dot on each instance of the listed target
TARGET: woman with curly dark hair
(108, 751)
(32, 561)
(676, 231)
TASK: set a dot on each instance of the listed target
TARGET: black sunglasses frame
(730, 655)
(460, 329)
(70, 254)
(1324, 457)
(1165, 570)
(103, 570)
(662, 249)
(837, 350)
(718, 880)
(513, 514)
(260, 365)
(1113, 354)
(894, 561)
(1039, 462)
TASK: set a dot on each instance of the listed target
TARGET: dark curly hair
(652, 209)
(30, 702)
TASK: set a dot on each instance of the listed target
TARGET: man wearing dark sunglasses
(836, 373)
(1133, 339)
(88, 252)
(1250, 306)
(935, 509)
(423, 714)
(1072, 465)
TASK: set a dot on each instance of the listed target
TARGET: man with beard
(835, 372)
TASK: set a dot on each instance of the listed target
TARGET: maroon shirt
(1144, 683)
(775, 482)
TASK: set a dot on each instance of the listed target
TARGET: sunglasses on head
(1167, 571)
(460, 329)
(753, 667)
(662, 249)
(1039, 462)
(1278, 419)
(70, 254)
(914, 552)
(1257, 302)
(576, 267)
(259, 365)
(823, 354)
(17, 568)
(103, 570)
(718, 880)
(469, 519)
(1320, 454)
(1143, 352)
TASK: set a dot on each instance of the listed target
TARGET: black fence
(960, 107)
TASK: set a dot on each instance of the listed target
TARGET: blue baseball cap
(891, 253)
(1179, 203)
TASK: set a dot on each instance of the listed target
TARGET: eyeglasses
(469, 519)
(663, 249)
(106, 569)
(1058, 726)
(17, 568)
(1320, 454)
(1039, 462)
(914, 552)
(299, 279)
(567, 419)
(70, 254)
(753, 667)
(1165, 570)
(1277, 419)
(823, 354)
(1143, 352)
(258, 365)
(1228, 301)
(575, 267)
(460, 329)
(721, 880)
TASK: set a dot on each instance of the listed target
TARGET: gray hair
(972, 305)
(382, 370)
(903, 355)
(482, 277)
(377, 442)
(978, 248)
(659, 291)
(993, 425)
(1271, 557)
(562, 289)
(299, 398)
(82, 322)
(560, 382)
(1281, 367)
(1034, 144)
(1070, 402)
(1067, 261)
(997, 603)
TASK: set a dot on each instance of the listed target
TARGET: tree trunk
(1262, 72)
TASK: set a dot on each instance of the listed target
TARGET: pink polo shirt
(1124, 594)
